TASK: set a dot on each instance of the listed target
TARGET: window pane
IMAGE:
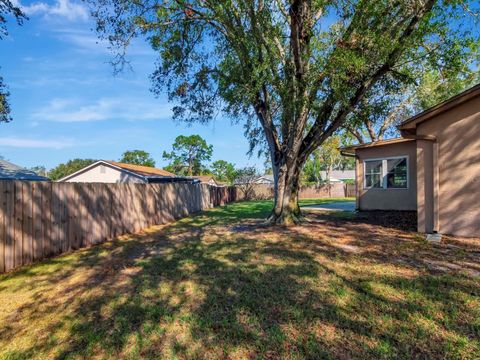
(373, 180)
(373, 174)
(373, 167)
(396, 164)
(397, 173)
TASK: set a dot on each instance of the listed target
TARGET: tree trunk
(286, 210)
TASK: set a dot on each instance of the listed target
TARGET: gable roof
(264, 179)
(144, 172)
(351, 149)
(204, 178)
(428, 114)
(141, 170)
(10, 171)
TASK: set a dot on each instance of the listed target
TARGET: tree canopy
(377, 115)
(7, 9)
(137, 157)
(71, 166)
(327, 158)
(294, 71)
(245, 180)
(189, 155)
(224, 171)
(39, 170)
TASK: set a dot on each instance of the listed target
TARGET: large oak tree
(293, 70)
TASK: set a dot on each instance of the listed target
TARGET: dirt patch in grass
(221, 285)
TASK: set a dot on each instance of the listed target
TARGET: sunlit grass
(223, 285)
(304, 202)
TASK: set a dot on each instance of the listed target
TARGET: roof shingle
(141, 170)
(9, 171)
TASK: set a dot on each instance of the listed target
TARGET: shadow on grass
(197, 289)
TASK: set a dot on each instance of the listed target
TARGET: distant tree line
(192, 155)
(189, 156)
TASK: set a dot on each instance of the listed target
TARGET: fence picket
(27, 223)
(2, 227)
(9, 195)
(18, 234)
(47, 225)
(37, 221)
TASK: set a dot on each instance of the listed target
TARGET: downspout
(435, 172)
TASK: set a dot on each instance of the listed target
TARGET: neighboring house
(114, 172)
(434, 169)
(265, 179)
(9, 171)
(207, 179)
(335, 176)
(338, 175)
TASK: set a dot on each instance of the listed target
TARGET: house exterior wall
(102, 173)
(456, 176)
(425, 188)
(387, 199)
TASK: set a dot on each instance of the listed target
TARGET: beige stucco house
(433, 169)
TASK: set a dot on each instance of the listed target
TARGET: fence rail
(333, 190)
(41, 219)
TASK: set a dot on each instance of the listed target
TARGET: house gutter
(349, 154)
(408, 135)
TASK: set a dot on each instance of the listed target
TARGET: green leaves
(137, 157)
(69, 167)
(294, 72)
(188, 155)
(7, 9)
(4, 105)
(223, 171)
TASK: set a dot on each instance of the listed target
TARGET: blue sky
(67, 104)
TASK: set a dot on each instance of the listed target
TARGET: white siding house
(114, 172)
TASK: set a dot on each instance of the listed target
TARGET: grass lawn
(323, 201)
(221, 285)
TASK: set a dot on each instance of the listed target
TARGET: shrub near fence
(41, 219)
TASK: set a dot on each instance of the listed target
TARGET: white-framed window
(386, 173)
(373, 173)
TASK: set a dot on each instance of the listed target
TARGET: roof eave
(350, 150)
(104, 162)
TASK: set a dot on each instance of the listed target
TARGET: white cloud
(88, 42)
(83, 40)
(68, 9)
(70, 110)
(36, 143)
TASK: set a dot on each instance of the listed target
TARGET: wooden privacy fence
(350, 190)
(42, 219)
(333, 190)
